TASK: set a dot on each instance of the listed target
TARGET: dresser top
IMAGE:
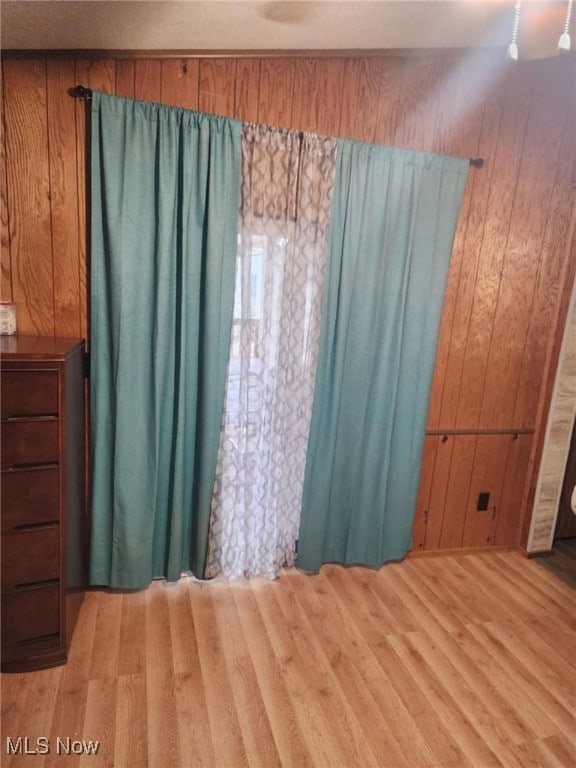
(37, 347)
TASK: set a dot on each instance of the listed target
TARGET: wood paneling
(180, 82)
(125, 78)
(360, 93)
(276, 92)
(148, 80)
(390, 77)
(456, 469)
(487, 477)
(509, 267)
(457, 492)
(553, 274)
(5, 276)
(99, 75)
(63, 198)
(469, 284)
(217, 86)
(422, 510)
(438, 490)
(417, 111)
(317, 93)
(506, 164)
(521, 261)
(507, 523)
(28, 176)
(458, 131)
(247, 89)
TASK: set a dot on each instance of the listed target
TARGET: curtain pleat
(165, 197)
(392, 227)
(287, 182)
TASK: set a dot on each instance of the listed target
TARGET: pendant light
(564, 42)
(512, 52)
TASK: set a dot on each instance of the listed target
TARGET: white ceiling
(224, 25)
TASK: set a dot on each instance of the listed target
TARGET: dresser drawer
(30, 615)
(29, 393)
(29, 442)
(30, 497)
(42, 498)
(30, 557)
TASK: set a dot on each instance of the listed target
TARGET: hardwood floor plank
(364, 683)
(548, 668)
(554, 591)
(35, 724)
(185, 657)
(399, 684)
(161, 704)
(286, 729)
(558, 636)
(428, 616)
(13, 704)
(131, 741)
(379, 591)
(525, 678)
(106, 655)
(445, 576)
(34, 717)
(548, 583)
(345, 662)
(325, 718)
(429, 663)
(71, 693)
(496, 609)
(256, 730)
(507, 683)
(439, 601)
(192, 712)
(508, 583)
(530, 755)
(472, 677)
(132, 648)
(443, 701)
(492, 730)
(225, 729)
(99, 725)
(557, 750)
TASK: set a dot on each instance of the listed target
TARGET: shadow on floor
(562, 560)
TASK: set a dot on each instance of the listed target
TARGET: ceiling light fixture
(564, 42)
(512, 52)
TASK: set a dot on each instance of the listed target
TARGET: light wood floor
(453, 661)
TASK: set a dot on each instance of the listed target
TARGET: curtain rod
(81, 92)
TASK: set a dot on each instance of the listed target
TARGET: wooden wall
(510, 267)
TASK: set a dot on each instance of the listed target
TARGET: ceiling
(224, 25)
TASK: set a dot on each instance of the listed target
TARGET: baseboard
(413, 554)
(540, 553)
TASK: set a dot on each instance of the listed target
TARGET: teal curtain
(164, 208)
(393, 221)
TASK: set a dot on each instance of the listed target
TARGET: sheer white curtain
(287, 185)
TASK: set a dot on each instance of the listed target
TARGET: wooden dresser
(43, 500)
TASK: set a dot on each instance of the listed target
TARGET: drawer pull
(35, 526)
(33, 417)
(36, 584)
(27, 467)
(29, 640)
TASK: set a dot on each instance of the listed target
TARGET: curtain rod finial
(80, 92)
